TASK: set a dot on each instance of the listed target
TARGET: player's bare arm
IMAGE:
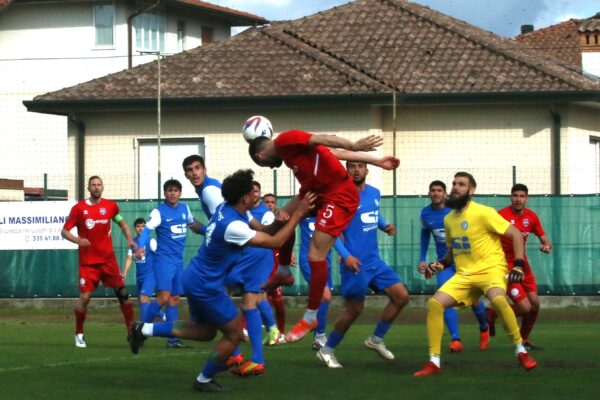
(545, 244)
(517, 240)
(384, 162)
(368, 143)
(74, 239)
(262, 239)
(195, 226)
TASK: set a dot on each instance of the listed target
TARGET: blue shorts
(168, 271)
(251, 271)
(305, 269)
(378, 278)
(146, 283)
(218, 310)
(446, 274)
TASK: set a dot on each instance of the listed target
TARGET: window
(595, 142)
(180, 36)
(207, 35)
(104, 21)
(172, 153)
(150, 31)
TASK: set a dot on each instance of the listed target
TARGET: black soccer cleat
(136, 338)
(530, 346)
(210, 386)
(176, 345)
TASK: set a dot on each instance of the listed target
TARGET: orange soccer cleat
(526, 361)
(235, 361)
(249, 368)
(484, 339)
(428, 369)
(456, 346)
(300, 330)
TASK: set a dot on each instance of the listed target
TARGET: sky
(503, 17)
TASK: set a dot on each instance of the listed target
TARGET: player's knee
(434, 305)
(399, 295)
(122, 294)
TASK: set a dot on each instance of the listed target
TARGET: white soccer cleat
(328, 359)
(319, 342)
(379, 348)
(80, 340)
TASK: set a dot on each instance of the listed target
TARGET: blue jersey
(209, 194)
(360, 237)
(171, 225)
(227, 233)
(144, 265)
(432, 222)
(307, 229)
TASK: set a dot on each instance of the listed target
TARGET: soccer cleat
(278, 280)
(319, 342)
(300, 330)
(177, 344)
(379, 348)
(272, 336)
(210, 386)
(249, 368)
(484, 339)
(136, 338)
(530, 346)
(281, 338)
(491, 320)
(80, 341)
(235, 361)
(456, 346)
(328, 359)
(526, 361)
(428, 369)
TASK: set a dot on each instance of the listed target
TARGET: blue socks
(334, 339)
(266, 312)
(172, 316)
(322, 318)
(451, 321)
(211, 368)
(479, 311)
(381, 329)
(253, 324)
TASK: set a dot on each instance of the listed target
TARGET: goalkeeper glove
(516, 274)
(432, 269)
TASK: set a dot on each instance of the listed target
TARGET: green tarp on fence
(571, 222)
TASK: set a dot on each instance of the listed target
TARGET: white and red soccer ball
(257, 126)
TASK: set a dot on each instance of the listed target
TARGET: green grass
(39, 361)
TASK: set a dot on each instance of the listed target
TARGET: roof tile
(367, 46)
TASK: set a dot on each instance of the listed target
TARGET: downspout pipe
(79, 156)
(556, 151)
(130, 32)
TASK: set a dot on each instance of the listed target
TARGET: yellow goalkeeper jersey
(474, 237)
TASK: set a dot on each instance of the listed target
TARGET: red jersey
(93, 223)
(526, 223)
(315, 167)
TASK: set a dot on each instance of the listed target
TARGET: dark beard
(359, 182)
(458, 203)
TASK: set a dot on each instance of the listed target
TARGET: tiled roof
(364, 47)
(248, 18)
(561, 40)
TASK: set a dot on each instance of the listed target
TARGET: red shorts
(336, 208)
(109, 273)
(518, 291)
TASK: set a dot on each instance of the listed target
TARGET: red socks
(318, 280)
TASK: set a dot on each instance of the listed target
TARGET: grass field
(39, 361)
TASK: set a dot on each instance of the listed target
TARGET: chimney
(526, 29)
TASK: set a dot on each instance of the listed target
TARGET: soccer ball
(257, 126)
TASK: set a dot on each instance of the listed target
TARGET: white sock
(283, 270)
(310, 316)
(148, 329)
(202, 379)
(319, 335)
(520, 349)
(436, 360)
(376, 339)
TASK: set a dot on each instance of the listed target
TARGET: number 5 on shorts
(328, 211)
